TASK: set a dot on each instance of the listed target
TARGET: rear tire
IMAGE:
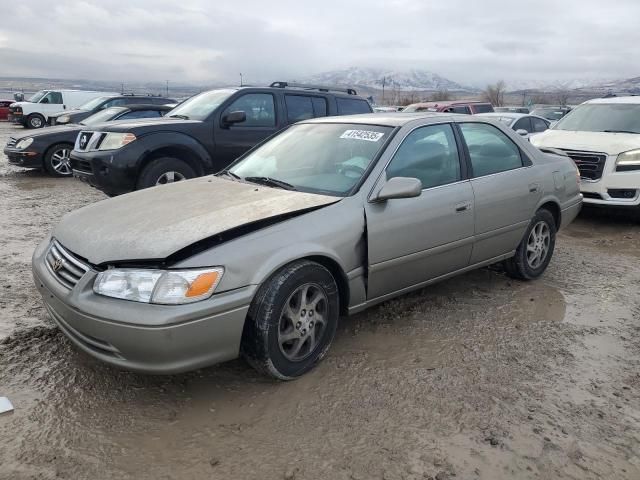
(57, 161)
(536, 248)
(164, 170)
(292, 320)
(35, 120)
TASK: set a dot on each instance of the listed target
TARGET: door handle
(463, 207)
(533, 187)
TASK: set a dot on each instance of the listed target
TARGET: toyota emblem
(57, 264)
(83, 141)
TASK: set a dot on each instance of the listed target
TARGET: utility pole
(384, 80)
(240, 79)
(167, 88)
(122, 88)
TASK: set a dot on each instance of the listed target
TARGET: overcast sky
(207, 41)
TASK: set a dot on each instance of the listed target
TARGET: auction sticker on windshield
(367, 135)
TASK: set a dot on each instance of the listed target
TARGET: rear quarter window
(352, 106)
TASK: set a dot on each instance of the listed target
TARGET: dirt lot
(477, 377)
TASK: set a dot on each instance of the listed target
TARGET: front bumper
(617, 189)
(103, 171)
(17, 118)
(156, 339)
(24, 158)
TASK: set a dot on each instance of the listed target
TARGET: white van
(35, 112)
(602, 137)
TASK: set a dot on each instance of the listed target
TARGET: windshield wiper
(228, 174)
(274, 182)
(619, 131)
(183, 117)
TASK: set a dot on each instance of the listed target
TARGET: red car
(459, 106)
(4, 108)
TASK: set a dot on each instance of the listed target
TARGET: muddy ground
(477, 377)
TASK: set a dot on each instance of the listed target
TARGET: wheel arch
(554, 208)
(176, 145)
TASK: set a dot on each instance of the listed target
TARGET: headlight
(628, 160)
(113, 141)
(167, 287)
(63, 119)
(24, 143)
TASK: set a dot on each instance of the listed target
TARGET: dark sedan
(101, 103)
(50, 148)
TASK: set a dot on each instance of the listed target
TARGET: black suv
(100, 103)
(202, 135)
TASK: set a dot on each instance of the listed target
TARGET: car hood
(69, 112)
(609, 143)
(43, 132)
(152, 224)
(145, 125)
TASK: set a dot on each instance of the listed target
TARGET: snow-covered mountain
(413, 79)
(547, 86)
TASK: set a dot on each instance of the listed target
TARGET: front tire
(57, 160)
(35, 120)
(164, 170)
(292, 320)
(536, 248)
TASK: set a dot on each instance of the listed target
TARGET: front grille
(67, 269)
(590, 165)
(12, 142)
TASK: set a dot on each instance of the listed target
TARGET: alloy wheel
(170, 177)
(61, 161)
(302, 322)
(538, 244)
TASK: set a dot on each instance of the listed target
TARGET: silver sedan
(329, 217)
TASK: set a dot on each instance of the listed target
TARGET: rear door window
(460, 109)
(299, 107)
(523, 124)
(352, 106)
(490, 150)
(539, 125)
(483, 108)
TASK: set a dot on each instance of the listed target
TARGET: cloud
(200, 41)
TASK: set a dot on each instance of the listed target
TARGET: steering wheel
(344, 169)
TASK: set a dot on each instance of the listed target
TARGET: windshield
(419, 108)
(200, 106)
(102, 116)
(317, 158)
(602, 117)
(91, 104)
(549, 114)
(35, 98)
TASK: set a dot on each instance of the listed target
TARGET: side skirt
(375, 301)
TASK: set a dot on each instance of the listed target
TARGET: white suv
(602, 137)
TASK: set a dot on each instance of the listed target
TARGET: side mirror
(522, 132)
(400, 187)
(234, 117)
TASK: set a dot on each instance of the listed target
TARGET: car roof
(144, 106)
(449, 103)
(633, 100)
(388, 119)
(513, 115)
